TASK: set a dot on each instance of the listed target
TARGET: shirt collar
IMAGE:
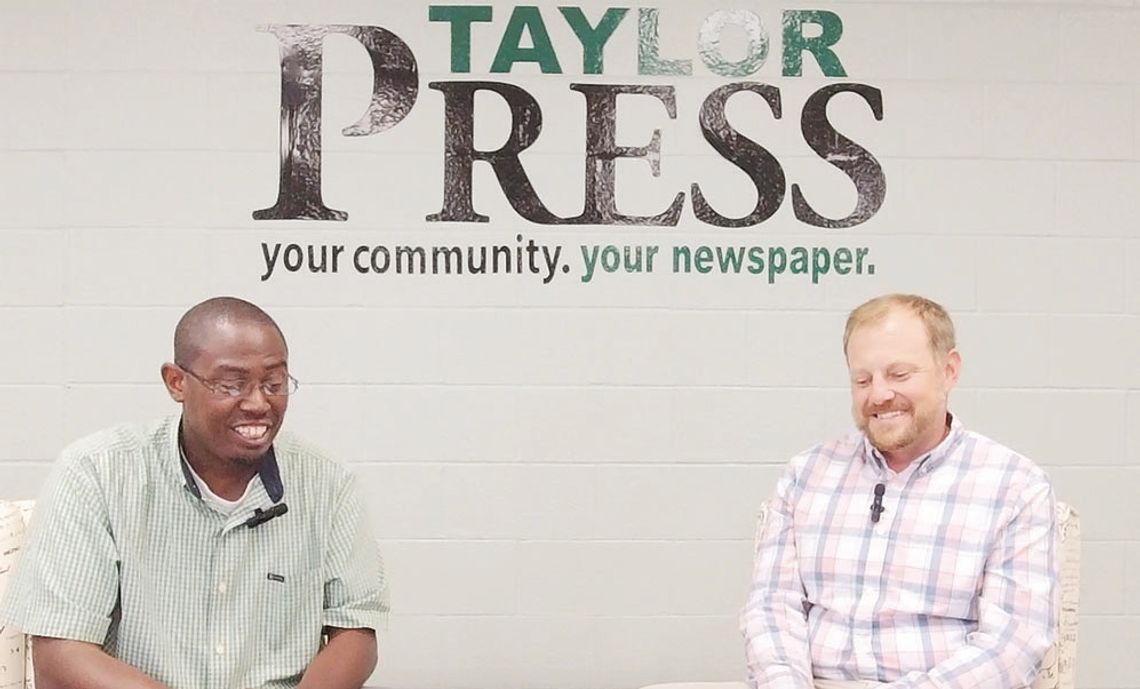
(269, 472)
(928, 462)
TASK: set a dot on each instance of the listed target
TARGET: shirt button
(220, 649)
(222, 587)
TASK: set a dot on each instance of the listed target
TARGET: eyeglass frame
(216, 388)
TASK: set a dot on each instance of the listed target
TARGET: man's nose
(255, 399)
(880, 391)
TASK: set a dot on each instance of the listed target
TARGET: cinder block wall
(564, 475)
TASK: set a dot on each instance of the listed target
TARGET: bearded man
(912, 553)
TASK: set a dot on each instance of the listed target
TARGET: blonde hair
(939, 327)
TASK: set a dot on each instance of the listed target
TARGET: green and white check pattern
(123, 553)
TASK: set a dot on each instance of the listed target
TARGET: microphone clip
(877, 508)
(261, 516)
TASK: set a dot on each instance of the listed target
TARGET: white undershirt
(222, 505)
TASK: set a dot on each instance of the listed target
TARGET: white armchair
(15, 651)
(1057, 671)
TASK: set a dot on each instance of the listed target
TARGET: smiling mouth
(252, 431)
(888, 415)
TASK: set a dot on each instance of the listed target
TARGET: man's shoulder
(983, 453)
(302, 459)
(103, 448)
(842, 449)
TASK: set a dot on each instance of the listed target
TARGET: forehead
(240, 345)
(898, 336)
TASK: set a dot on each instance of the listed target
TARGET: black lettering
(356, 256)
(407, 256)
(270, 259)
(378, 267)
(602, 150)
(293, 258)
(460, 154)
(854, 160)
(756, 162)
(395, 85)
(448, 254)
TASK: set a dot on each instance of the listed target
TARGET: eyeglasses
(276, 385)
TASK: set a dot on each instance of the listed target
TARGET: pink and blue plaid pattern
(953, 588)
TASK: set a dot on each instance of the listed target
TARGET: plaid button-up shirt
(954, 587)
(123, 552)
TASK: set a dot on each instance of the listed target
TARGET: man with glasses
(205, 550)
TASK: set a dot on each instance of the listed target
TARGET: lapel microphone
(877, 508)
(261, 516)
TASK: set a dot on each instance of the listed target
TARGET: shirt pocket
(290, 606)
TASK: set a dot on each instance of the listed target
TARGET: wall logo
(396, 88)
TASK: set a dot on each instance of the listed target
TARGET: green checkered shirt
(123, 552)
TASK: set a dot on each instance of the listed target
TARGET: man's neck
(226, 479)
(898, 464)
(227, 485)
(900, 460)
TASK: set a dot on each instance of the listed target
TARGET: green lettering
(795, 43)
(649, 60)
(820, 263)
(682, 253)
(756, 257)
(703, 259)
(842, 262)
(510, 51)
(593, 38)
(650, 252)
(799, 264)
(730, 258)
(777, 261)
(709, 43)
(460, 17)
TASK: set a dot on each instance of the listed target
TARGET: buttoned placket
(875, 565)
(231, 545)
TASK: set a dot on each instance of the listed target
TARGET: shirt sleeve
(773, 621)
(66, 583)
(356, 587)
(1017, 606)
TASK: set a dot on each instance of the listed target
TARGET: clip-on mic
(877, 508)
(261, 516)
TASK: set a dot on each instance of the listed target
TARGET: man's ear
(174, 379)
(952, 369)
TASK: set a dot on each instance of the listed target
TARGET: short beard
(246, 463)
(898, 442)
(920, 423)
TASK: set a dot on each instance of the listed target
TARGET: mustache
(884, 408)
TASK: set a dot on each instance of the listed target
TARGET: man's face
(231, 429)
(899, 387)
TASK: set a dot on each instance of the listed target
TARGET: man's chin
(250, 454)
(889, 442)
(244, 460)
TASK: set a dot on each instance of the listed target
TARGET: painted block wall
(564, 475)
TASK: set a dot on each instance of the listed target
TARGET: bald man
(206, 550)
